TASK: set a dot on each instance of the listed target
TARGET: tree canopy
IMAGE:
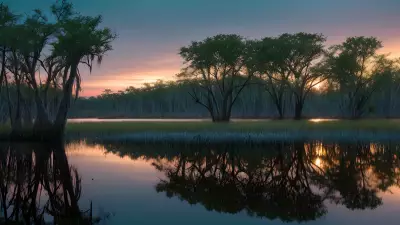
(42, 52)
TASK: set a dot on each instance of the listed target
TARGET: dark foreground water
(278, 183)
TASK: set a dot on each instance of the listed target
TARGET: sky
(150, 32)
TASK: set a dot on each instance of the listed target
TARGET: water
(278, 183)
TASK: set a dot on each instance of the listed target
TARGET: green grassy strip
(242, 126)
(375, 125)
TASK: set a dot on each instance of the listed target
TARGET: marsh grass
(377, 125)
(244, 132)
(239, 131)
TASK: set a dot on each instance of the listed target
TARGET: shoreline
(238, 132)
(235, 132)
(238, 138)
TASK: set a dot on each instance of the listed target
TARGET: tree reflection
(272, 187)
(36, 181)
(286, 181)
(350, 174)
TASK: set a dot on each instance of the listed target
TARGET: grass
(375, 125)
(238, 131)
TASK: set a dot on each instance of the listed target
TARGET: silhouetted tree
(218, 67)
(350, 66)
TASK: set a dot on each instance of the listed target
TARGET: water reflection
(275, 187)
(37, 183)
(288, 182)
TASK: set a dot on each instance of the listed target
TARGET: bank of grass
(239, 132)
(250, 131)
(372, 125)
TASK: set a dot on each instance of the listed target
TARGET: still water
(278, 183)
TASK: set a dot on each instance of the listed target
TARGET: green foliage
(350, 60)
(298, 52)
(217, 65)
(288, 62)
(72, 39)
(215, 52)
(80, 37)
(357, 69)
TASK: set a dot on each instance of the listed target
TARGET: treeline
(40, 57)
(171, 100)
(289, 76)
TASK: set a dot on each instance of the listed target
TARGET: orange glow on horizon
(116, 82)
(95, 85)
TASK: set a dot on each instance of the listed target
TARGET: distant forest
(289, 76)
(171, 100)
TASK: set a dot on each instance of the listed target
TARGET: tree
(298, 54)
(350, 65)
(37, 33)
(7, 20)
(217, 66)
(387, 72)
(71, 40)
(79, 41)
(268, 64)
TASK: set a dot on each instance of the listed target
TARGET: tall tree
(351, 66)
(7, 22)
(269, 64)
(388, 72)
(70, 41)
(217, 64)
(298, 54)
(80, 41)
(37, 32)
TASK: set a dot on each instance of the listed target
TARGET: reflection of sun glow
(318, 162)
(373, 148)
(319, 150)
(318, 120)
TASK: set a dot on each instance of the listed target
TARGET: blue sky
(150, 32)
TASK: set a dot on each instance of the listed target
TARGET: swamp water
(278, 183)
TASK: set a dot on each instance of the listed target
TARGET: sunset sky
(150, 32)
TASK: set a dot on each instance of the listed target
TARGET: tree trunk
(61, 118)
(298, 110)
(224, 114)
(3, 67)
(18, 119)
(280, 112)
(42, 121)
